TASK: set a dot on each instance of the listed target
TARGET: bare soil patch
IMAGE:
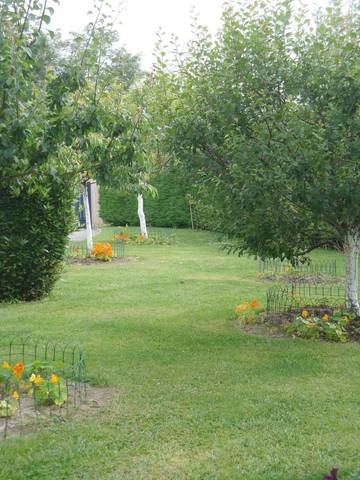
(29, 419)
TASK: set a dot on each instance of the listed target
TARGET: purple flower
(333, 475)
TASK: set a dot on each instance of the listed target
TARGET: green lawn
(194, 397)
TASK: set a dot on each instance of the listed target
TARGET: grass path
(194, 397)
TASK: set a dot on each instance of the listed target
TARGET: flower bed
(37, 375)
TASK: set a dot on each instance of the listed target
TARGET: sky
(141, 19)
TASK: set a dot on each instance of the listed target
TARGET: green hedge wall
(169, 209)
(33, 234)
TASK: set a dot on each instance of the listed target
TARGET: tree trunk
(89, 234)
(351, 250)
(141, 214)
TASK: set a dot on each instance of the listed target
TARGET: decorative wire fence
(75, 250)
(287, 299)
(272, 266)
(39, 380)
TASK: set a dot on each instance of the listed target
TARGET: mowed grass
(193, 396)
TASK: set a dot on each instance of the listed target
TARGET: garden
(191, 393)
(179, 247)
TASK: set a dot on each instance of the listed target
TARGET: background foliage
(170, 208)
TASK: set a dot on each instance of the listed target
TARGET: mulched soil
(93, 261)
(353, 329)
(310, 278)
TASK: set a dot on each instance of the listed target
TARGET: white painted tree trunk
(89, 234)
(141, 214)
(351, 250)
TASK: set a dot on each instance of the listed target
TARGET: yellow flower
(16, 395)
(5, 365)
(305, 313)
(54, 378)
(32, 377)
(37, 379)
(242, 307)
(345, 318)
(325, 317)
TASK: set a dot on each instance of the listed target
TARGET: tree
(58, 125)
(268, 117)
(112, 71)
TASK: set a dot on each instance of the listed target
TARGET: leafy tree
(59, 125)
(268, 117)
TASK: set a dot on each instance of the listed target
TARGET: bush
(33, 234)
(169, 209)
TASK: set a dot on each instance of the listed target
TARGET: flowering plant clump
(328, 327)
(103, 251)
(154, 239)
(247, 311)
(123, 235)
(10, 377)
(45, 385)
(39, 380)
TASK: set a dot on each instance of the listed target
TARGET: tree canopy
(267, 116)
(62, 121)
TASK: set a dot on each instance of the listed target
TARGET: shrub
(34, 226)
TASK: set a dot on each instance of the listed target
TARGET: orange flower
(18, 369)
(255, 303)
(98, 248)
(141, 237)
(108, 248)
(123, 236)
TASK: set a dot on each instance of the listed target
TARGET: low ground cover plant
(329, 326)
(40, 380)
(153, 239)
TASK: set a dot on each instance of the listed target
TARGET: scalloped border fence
(283, 299)
(278, 266)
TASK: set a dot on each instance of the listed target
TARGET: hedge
(34, 226)
(169, 209)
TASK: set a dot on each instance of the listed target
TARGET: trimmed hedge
(169, 209)
(33, 234)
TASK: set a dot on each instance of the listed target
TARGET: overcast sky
(141, 19)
